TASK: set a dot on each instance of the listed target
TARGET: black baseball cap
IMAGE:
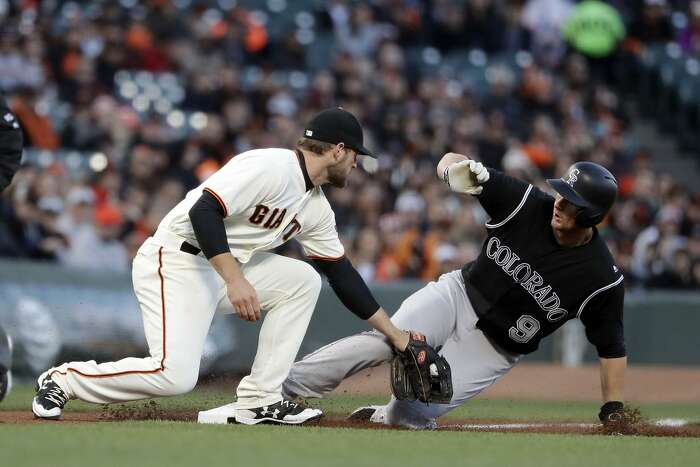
(337, 126)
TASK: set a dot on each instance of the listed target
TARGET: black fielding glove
(612, 412)
(419, 372)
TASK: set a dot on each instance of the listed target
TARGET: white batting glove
(466, 176)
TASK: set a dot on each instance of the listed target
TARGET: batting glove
(466, 177)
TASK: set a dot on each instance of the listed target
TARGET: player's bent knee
(309, 278)
(177, 384)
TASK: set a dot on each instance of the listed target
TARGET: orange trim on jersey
(162, 303)
(162, 360)
(218, 198)
(326, 258)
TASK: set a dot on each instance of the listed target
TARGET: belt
(189, 248)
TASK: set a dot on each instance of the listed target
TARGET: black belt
(189, 248)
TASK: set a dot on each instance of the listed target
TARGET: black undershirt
(349, 286)
(207, 218)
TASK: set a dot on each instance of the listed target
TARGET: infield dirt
(151, 411)
(526, 382)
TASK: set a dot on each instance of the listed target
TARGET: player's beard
(337, 176)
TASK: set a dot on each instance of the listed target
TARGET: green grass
(169, 444)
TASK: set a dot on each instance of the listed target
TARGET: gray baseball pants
(442, 311)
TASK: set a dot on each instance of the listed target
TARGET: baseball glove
(419, 372)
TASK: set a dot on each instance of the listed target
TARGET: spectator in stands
(595, 30)
(689, 38)
(653, 24)
(356, 29)
(544, 20)
(235, 83)
(99, 248)
(678, 276)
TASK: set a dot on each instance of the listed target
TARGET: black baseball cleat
(49, 400)
(370, 413)
(284, 412)
(5, 382)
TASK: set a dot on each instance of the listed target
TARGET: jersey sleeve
(242, 184)
(502, 197)
(320, 240)
(602, 318)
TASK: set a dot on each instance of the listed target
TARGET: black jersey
(524, 285)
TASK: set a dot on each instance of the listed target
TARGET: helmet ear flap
(586, 217)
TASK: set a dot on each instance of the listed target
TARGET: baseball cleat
(5, 383)
(284, 412)
(371, 413)
(49, 400)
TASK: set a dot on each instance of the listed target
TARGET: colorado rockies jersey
(267, 199)
(524, 285)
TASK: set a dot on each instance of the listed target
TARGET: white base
(219, 415)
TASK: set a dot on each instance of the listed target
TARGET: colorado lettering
(527, 277)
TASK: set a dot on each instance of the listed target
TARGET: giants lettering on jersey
(260, 216)
(529, 279)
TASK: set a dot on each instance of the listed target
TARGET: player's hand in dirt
(244, 299)
(612, 412)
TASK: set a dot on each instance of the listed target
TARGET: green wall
(98, 316)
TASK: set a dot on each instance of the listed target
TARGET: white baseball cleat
(370, 413)
(49, 400)
(284, 412)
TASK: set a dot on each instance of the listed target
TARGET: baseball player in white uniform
(212, 252)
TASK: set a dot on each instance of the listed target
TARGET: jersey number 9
(524, 329)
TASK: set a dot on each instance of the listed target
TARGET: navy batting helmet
(591, 188)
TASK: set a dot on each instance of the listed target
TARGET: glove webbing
(420, 376)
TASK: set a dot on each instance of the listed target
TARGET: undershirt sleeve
(349, 286)
(207, 217)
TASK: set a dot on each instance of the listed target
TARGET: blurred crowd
(151, 97)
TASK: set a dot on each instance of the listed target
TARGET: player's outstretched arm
(381, 322)
(612, 381)
(353, 292)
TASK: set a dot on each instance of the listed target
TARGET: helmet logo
(573, 177)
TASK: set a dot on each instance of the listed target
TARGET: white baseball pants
(442, 311)
(178, 294)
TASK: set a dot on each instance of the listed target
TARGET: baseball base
(219, 415)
